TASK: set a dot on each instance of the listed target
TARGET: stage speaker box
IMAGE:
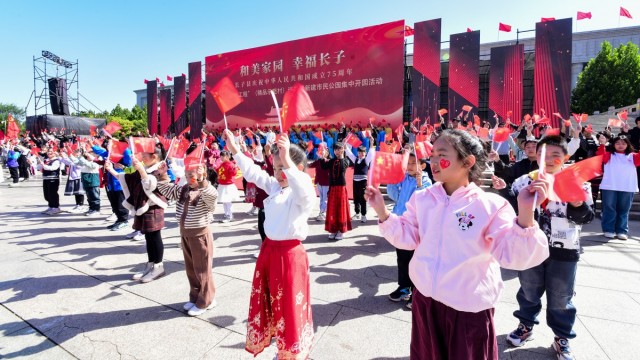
(58, 96)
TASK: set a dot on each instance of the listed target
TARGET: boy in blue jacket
(114, 189)
(416, 178)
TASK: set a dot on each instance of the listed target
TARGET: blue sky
(120, 43)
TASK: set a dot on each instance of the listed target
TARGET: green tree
(17, 112)
(612, 78)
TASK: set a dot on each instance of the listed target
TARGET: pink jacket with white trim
(460, 243)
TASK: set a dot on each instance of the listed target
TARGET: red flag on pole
(469, 30)
(408, 31)
(169, 78)
(158, 79)
(399, 132)
(547, 19)
(467, 108)
(226, 95)
(583, 15)
(568, 183)
(624, 12)
(553, 131)
(146, 81)
(35, 151)
(117, 150)
(504, 27)
(112, 127)
(623, 115)
(387, 168)
(92, 130)
(13, 129)
(178, 148)
(296, 106)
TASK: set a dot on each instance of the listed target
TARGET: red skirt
(280, 302)
(441, 332)
(338, 211)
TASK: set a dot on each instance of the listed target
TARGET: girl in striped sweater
(195, 203)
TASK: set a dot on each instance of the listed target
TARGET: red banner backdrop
(152, 107)
(180, 104)
(552, 69)
(350, 76)
(195, 97)
(464, 71)
(505, 81)
(425, 78)
(165, 110)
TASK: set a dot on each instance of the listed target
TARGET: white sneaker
(195, 311)
(54, 211)
(363, 219)
(332, 236)
(156, 272)
(609, 235)
(111, 218)
(46, 211)
(147, 267)
(139, 237)
(321, 217)
(251, 212)
(355, 217)
(92, 213)
(132, 234)
(622, 236)
(255, 212)
(188, 306)
(338, 236)
(227, 219)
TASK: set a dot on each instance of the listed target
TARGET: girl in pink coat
(461, 236)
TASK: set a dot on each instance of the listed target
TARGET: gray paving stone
(28, 343)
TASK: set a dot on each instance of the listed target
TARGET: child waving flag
(461, 236)
(280, 304)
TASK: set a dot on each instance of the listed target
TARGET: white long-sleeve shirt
(286, 209)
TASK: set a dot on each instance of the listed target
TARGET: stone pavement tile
(9, 322)
(619, 307)
(232, 347)
(355, 334)
(618, 339)
(20, 265)
(125, 323)
(612, 256)
(171, 289)
(585, 344)
(635, 296)
(626, 280)
(28, 343)
(233, 306)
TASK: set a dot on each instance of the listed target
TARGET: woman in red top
(227, 190)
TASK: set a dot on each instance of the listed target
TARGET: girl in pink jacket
(461, 236)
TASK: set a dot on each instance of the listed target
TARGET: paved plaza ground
(65, 292)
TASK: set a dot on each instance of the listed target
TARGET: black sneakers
(521, 335)
(401, 294)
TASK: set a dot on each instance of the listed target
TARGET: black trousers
(263, 235)
(23, 167)
(79, 200)
(155, 247)
(115, 199)
(93, 197)
(50, 189)
(359, 203)
(14, 174)
(404, 257)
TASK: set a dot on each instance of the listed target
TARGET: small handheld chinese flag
(194, 159)
(112, 127)
(226, 95)
(501, 135)
(476, 120)
(353, 140)
(146, 145)
(166, 143)
(423, 149)
(552, 132)
(623, 115)
(117, 150)
(467, 108)
(92, 130)
(557, 115)
(483, 133)
(178, 148)
(318, 135)
(400, 132)
(442, 112)
(568, 183)
(544, 121)
(615, 123)
(387, 168)
(35, 151)
(296, 106)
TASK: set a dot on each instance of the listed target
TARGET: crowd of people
(451, 235)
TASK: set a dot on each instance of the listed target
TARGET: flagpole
(275, 101)
(543, 155)
(225, 121)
